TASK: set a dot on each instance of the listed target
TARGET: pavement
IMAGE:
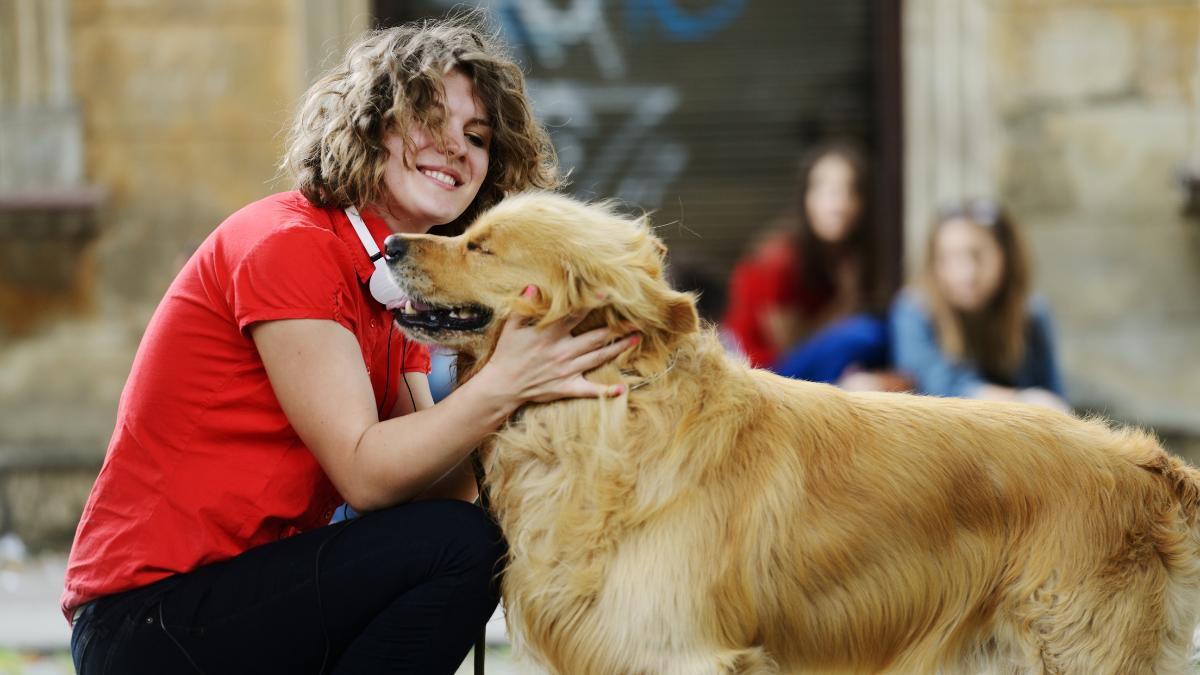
(30, 619)
(35, 638)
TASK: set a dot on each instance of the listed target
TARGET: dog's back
(735, 521)
(935, 534)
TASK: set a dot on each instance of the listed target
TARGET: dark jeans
(402, 590)
(860, 340)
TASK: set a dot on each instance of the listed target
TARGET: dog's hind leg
(1135, 623)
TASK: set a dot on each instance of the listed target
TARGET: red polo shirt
(203, 463)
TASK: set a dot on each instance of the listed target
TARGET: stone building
(130, 128)
(1084, 116)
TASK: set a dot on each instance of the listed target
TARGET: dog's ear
(534, 303)
(680, 313)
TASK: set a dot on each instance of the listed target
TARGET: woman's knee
(467, 538)
(479, 539)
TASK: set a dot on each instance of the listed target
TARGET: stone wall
(183, 105)
(1080, 115)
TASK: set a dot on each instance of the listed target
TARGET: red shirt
(203, 463)
(770, 278)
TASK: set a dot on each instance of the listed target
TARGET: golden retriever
(719, 519)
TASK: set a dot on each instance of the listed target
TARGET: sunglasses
(981, 210)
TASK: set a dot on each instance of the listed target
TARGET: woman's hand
(532, 364)
(1043, 397)
(1033, 395)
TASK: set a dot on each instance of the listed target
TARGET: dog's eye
(474, 246)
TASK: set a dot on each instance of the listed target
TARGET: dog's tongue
(399, 303)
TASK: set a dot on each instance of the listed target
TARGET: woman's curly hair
(392, 79)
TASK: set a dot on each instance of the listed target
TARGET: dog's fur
(718, 519)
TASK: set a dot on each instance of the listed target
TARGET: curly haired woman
(267, 390)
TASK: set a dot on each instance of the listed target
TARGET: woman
(970, 328)
(802, 303)
(267, 390)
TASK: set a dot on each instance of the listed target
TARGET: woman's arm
(1043, 384)
(783, 326)
(317, 372)
(916, 353)
(1041, 347)
(459, 482)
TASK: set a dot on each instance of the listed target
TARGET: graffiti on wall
(611, 131)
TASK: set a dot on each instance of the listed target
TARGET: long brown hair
(392, 79)
(995, 337)
(817, 259)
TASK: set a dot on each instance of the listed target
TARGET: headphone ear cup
(384, 288)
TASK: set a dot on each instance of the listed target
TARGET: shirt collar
(379, 231)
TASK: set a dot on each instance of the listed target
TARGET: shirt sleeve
(741, 316)
(299, 272)
(414, 356)
(1041, 355)
(917, 354)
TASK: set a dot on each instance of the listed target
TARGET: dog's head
(585, 260)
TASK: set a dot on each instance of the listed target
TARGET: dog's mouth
(431, 318)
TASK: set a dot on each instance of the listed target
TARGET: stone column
(949, 125)
(41, 134)
(325, 30)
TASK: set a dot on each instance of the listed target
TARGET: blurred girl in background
(970, 327)
(801, 304)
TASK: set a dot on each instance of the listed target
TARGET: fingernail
(637, 337)
(618, 390)
(529, 291)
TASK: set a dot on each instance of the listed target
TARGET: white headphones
(383, 286)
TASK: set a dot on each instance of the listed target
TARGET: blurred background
(130, 128)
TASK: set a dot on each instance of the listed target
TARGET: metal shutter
(699, 109)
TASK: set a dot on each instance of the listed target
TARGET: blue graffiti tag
(680, 24)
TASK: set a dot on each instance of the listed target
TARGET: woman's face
(436, 184)
(968, 264)
(831, 201)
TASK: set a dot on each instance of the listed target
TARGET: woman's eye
(476, 140)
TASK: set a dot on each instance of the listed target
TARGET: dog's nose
(394, 247)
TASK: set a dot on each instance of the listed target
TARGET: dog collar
(658, 375)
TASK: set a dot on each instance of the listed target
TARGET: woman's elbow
(367, 497)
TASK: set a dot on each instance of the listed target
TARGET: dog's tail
(1182, 478)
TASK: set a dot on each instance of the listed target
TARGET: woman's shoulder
(281, 210)
(282, 229)
(285, 215)
(1038, 313)
(1037, 307)
(773, 248)
(910, 299)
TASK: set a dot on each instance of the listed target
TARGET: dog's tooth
(408, 308)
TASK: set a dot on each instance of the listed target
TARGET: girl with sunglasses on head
(970, 327)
